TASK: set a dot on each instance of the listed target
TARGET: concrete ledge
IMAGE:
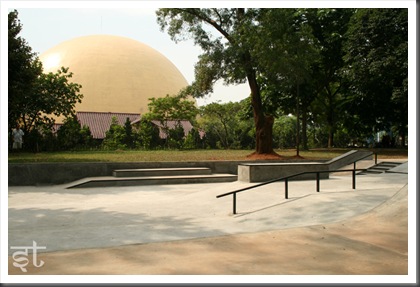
(21, 174)
(253, 172)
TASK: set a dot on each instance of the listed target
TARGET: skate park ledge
(21, 174)
(260, 172)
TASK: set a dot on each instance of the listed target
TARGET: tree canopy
(376, 69)
(238, 45)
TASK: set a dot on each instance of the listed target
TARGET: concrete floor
(186, 230)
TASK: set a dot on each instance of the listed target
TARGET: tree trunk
(297, 120)
(263, 123)
(331, 122)
(304, 128)
(330, 137)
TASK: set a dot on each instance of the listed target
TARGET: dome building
(118, 75)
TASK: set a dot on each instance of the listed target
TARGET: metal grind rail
(286, 182)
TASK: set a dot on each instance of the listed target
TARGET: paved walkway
(185, 229)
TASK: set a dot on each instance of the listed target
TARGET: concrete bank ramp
(371, 243)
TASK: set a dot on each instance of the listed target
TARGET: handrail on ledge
(286, 179)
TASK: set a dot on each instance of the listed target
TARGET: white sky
(48, 23)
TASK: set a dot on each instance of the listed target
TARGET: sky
(48, 23)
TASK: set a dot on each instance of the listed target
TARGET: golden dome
(117, 74)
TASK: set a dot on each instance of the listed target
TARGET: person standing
(17, 135)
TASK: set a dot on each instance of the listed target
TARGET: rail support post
(317, 181)
(286, 189)
(234, 203)
(354, 179)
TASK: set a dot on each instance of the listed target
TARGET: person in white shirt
(17, 135)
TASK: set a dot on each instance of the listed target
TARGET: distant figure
(17, 135)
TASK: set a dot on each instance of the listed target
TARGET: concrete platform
(184, 229)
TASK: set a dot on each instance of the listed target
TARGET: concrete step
(380, 167)
(109, 181)
(161, 171)
(389, 164)
(370, 172)
(394, 163)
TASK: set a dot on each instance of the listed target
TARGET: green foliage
(377, 69)
(23, 70)
(226, 55)
(171, 108)
(176, 137)
(35, 98)
(147, 135)
(72, 136)
(115, 136)
(284, 132)
(128, 134)
(193, 140)
(224, 126)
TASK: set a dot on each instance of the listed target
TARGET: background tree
(171, 108)
(284, 131)
(129, 137)
(35, 98)
(23, 70)
(329, 27)
(220, 120)
(147, 135)
(71, 135)
(114, 137)
(228, 57)
(193, 140)
(227, 123)
(377, 70)
(286, 51)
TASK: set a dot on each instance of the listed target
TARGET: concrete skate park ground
(185, 230)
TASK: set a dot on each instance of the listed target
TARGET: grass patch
(183, 155)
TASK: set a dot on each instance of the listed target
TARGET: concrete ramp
(348, 158)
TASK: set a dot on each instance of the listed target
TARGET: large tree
(329, 27)
(23, 69)
(286, 52)
(377, 69)
(224, 37)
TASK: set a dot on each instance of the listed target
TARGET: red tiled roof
(99, 122)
